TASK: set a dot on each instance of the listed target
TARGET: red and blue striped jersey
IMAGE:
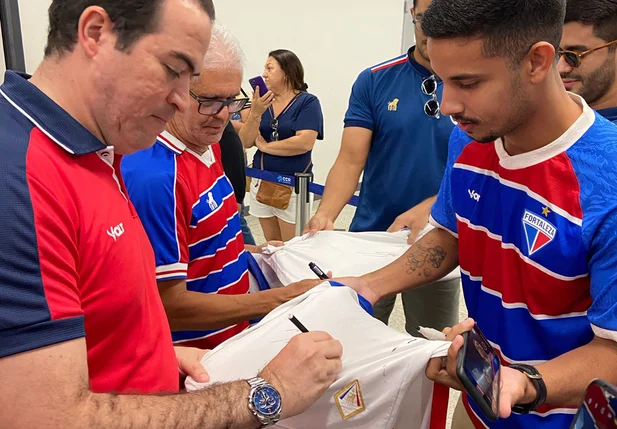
(75, 260)
(188, 208)
(537, 241)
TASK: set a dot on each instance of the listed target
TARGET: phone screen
(481, 366)
(598, 408)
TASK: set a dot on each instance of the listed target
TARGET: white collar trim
(562, 144)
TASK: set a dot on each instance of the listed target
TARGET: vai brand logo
(349, 400)
(393, 105)
(116, 231)
(538, 231)
(284, 180)
(474, 195)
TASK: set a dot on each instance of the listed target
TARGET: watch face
(267, 400)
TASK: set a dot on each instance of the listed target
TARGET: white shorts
(262, 211)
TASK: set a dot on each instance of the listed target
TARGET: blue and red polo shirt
(75, 260)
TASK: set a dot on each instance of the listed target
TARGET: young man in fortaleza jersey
(189, 211)
(528, 209)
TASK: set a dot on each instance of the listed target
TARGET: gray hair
(224, 51)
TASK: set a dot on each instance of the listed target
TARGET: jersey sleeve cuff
(604, 333)
(436, 224)
(358, 123)
(172, 271)
(41, 335)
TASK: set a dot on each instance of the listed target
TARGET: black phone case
(468, 385)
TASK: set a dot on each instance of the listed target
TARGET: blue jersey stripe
(212, 200)
(196, 335)
(519, 335)
(515, 205)
(217, 280)
(208, 247)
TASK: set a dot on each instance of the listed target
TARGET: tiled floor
(397, 320)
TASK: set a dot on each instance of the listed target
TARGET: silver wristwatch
(264, 402)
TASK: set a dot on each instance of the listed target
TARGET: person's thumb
(396, 226)
(199, 373)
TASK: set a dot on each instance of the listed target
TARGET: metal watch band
(538, 383)
(265, 421)
(256, 381)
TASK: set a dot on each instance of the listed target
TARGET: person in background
(237, 121)
(395, 132)
(82, 322)
(588, 60)
(233, 158)
(284, 125)
(189, 211)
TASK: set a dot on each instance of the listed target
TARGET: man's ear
(540, 60)
(94, 29)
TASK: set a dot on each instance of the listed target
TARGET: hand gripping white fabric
(382, 384)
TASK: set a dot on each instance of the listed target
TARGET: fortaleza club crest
(349, 400)
(538, 231)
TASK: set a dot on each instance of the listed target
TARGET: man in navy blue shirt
(396, 134)
(588, 60)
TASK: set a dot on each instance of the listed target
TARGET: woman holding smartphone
(283, 124)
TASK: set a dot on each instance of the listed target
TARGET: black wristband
(538, 383)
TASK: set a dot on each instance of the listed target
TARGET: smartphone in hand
(479, 370)
(599, 407)
(258, 81)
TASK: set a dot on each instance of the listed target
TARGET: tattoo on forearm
(423, 259)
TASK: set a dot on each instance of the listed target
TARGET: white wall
(2, 62)
(34, 26)
(335, 39)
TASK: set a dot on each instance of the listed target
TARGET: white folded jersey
(382, 385)
(343, 253)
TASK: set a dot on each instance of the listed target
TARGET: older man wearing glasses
(588, 59)
(188, 209)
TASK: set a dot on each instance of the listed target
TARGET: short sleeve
(598, 196)
(310, 116)
(160, 197)
(603, 273)
(443, 214)
(39, 283)
(360, 110)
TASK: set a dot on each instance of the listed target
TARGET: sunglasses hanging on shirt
(431, 107)
(274, 124)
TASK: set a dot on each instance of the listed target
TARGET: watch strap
(264, 421)
(538, 383)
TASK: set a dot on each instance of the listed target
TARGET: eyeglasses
(274, 124)
(575, 59)
(431, 107)
(213, 106)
